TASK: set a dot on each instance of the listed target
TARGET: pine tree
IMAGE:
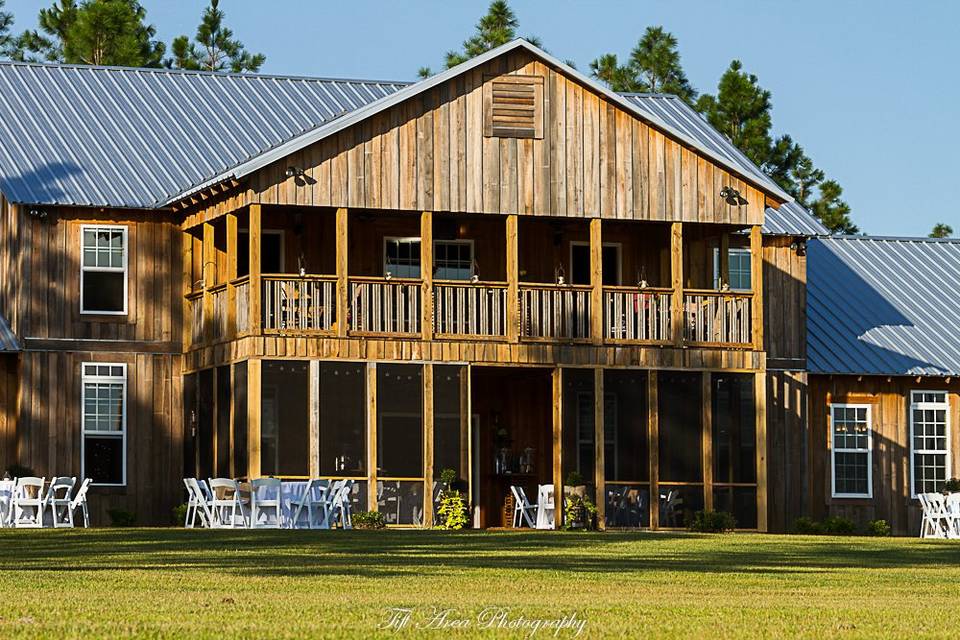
(941, 230)
(619, 78)
(741, 112)
(7, 42)
(806, 178)
(215, 48)
(654, 67)
(497, 27)
(833, 212)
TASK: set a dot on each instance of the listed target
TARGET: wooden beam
(466, 437)
(513, 279)
(599, 443)
(209, 279)
(760, 393)
(653, 446)
(313, 392)
(724, 255)
(428, 471)
(558, 446)
(676, 279)
(254, 375)
(426, 274)
(187, 287)
(256, 288)
(756, 283)
(342, 273)
(596, 281)
(231, 274)
(706, 445)
(372, 436)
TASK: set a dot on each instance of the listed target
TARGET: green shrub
(121, 518)
(452, 512)
(574, 479)
(713, 522)
(369, 520)
(180, 515)
(838, 526)
(807, 526)
(877, 528)
(578, 513)
(952, 485)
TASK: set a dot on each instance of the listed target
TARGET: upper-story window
(453, 259)
(929, 441)
(103, 272)
(739, 267)
(401, 257)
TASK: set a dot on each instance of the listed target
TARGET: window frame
(124, 269)
(388, 239)
(603, 245)
(84, 378)
(945, 405)
(834, 451)
(465, 242)
(716, 266)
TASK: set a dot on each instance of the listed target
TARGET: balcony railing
(219, 294)
(717, 317)
(380, 306)
(557, 312)
(632, 314)
(306, 304)
(474, 309)
(243, 304)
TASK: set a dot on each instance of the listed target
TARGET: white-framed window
(103, 269)
(739, 266)
(929, 441)
(453, 259)
(851, 441)
(103, 415)
(401, 257)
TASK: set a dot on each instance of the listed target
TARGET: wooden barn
(505, 269)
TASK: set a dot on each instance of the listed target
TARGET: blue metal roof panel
(791, 219)
(883, 306)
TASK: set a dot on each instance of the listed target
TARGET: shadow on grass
(395, 553)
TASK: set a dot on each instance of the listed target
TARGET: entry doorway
(580, 263)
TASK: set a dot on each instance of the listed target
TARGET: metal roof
(791, 219)
(145, 138)
(135, 138)
(885, 306)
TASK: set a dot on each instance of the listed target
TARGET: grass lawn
(296, 584)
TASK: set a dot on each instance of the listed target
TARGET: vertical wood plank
(600, 448)
(676, 279)
(209, 278)
(513, 279)
(372, 436)
(255, 288)
(313, 392)
(558, 446)
(596, 281)
(428, 445)
(760, 393)
(724, 259)
(254, 371)
(342, 267)
(231, 275)
(756, 283)
(653, 446)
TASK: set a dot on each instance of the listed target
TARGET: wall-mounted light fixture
(40, 214)
(732, 197)
(293, 172)
(799, 247)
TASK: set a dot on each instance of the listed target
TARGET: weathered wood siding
(787, 441)
(49, 429)
(8, 410)
(890, 400)
(785, 302)
(429, 153)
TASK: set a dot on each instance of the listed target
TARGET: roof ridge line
(922, 239)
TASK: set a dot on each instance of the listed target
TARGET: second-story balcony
(490, 279)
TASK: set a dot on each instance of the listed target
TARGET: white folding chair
(546, 507)
(952, 515)
(934, 512)
(6, 502)
(28, 502)
(226, 504)
(523, 511)
(79, 501)
(262, 504)
(58, 501)
(314, 501)
(340, 510)
(197, 505)
(333, 504)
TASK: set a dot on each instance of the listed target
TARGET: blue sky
(868, 88)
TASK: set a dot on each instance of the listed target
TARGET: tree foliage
(6, 40)
(107, 32)
(653, 67)
(941, 230)
(214, 47)
(832, 211)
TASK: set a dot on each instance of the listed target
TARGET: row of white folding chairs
(539, 515)
(29, 503)
(941, 515)
(222, 504)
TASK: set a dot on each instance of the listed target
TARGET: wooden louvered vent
(513, 107)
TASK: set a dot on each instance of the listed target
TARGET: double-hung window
(453, 259)
(738, 264)
(929, 441)
(104, 423)
(401, 257)
(103, 271)
(852, 446)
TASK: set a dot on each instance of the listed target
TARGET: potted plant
(452, 512)
(579, 512)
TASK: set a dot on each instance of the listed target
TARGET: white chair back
(28, 502)
(523, 511)
(265, 503)
(226, 505)
(58, 501)
(79, 501)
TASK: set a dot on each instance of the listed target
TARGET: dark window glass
(739, 501)
(103, 290)
(205, 423)
(578, 424)
(343, 419)
(580, 264)
(240, 419)
(734, 428)
(103, 459)
(223, 422)
(628, 505)
(627, 456)
(271, 253)
(678, 504)
(400, 502)
(681, 422)
(284, 425)
(400, 420)
(449, 444)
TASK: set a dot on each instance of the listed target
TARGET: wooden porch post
(706, 446)
(372, 436)
(760, 392)
(426, 274)
(600, 447)
(558, 446)
(513, 280)
(756, 283)
(185, 322)
(231, 275)
(215, 421)
(653, 446)
(256, 290)
(233, 421)
(428, 445)
(676, 277)
(724, 256)
(254, 373)
(343, 306)
(313, 393)
(209, 279)
(596, 282)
